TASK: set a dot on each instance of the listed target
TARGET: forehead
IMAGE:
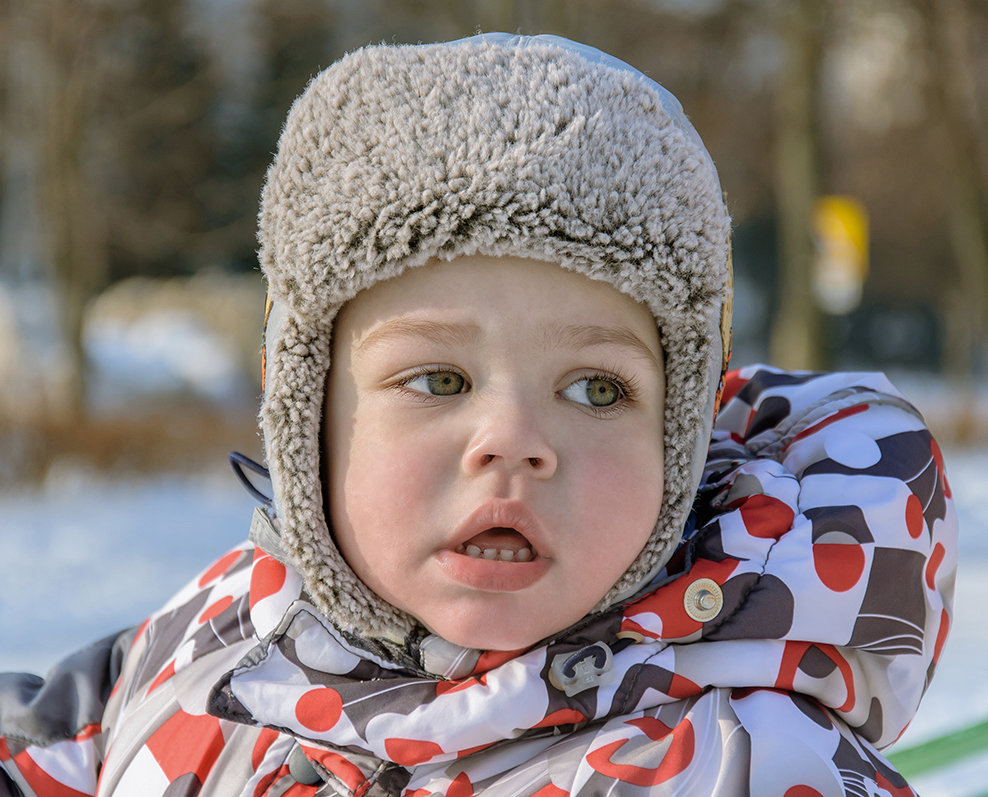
(467, 289)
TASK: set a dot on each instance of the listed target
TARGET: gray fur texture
(398, 155)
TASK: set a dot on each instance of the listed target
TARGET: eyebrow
(558, 335)
(435, 331)
(554, 336)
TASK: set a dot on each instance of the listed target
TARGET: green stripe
(942, 751)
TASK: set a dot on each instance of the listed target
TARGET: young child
(509, 551)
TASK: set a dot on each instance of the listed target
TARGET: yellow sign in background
(840, 226)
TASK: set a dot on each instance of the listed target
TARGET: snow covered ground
(81, 557)
(958, 696)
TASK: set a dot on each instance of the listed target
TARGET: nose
(511, 437)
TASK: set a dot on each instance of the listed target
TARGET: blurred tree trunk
(66, 33)
(795, 336)
(115, 117)
(956, 108)
(19, 245)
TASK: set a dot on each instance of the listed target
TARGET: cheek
(383, 479)
(620, 493)
(373, 498)
(628, 478)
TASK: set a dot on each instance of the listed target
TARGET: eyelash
(628, 386)
(424, 370)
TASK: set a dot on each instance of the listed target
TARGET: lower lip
(491, 575)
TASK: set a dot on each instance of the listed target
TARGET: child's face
(494, 442)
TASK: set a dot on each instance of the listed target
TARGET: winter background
(86, 554)
(134, 135)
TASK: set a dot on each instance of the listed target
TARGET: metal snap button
(703, 599)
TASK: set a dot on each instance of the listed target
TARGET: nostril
(485, 460)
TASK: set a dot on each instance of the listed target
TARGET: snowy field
(81, 557)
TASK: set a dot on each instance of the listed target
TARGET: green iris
(445, 383)
(602, 392)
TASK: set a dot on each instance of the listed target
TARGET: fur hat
(536, 147)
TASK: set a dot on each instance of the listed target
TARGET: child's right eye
(437, 383)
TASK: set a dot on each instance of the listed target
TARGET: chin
(499, 643)
(493, 634)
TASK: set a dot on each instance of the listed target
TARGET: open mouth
(498, 543)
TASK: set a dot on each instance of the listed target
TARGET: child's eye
(437, 383)
(599, 392)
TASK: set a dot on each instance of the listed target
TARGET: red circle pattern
(914, 516)
(319, 709)
(267, 577)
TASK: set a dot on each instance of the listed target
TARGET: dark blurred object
(135, 134)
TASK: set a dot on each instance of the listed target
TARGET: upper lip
(500, 513)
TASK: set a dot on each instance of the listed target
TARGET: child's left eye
(599, 392)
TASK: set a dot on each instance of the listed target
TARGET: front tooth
(490, 553)
(473, 550)
(507, 554)
(523, 555)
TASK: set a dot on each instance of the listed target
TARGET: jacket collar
(335, 691)
(744, 604)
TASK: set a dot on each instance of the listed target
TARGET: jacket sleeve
(868, 564)
(51, 728)
(838, 479)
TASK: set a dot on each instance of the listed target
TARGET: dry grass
(182, 436)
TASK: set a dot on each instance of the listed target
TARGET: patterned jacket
(790, 638)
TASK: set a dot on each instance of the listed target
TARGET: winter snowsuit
(792, 634)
